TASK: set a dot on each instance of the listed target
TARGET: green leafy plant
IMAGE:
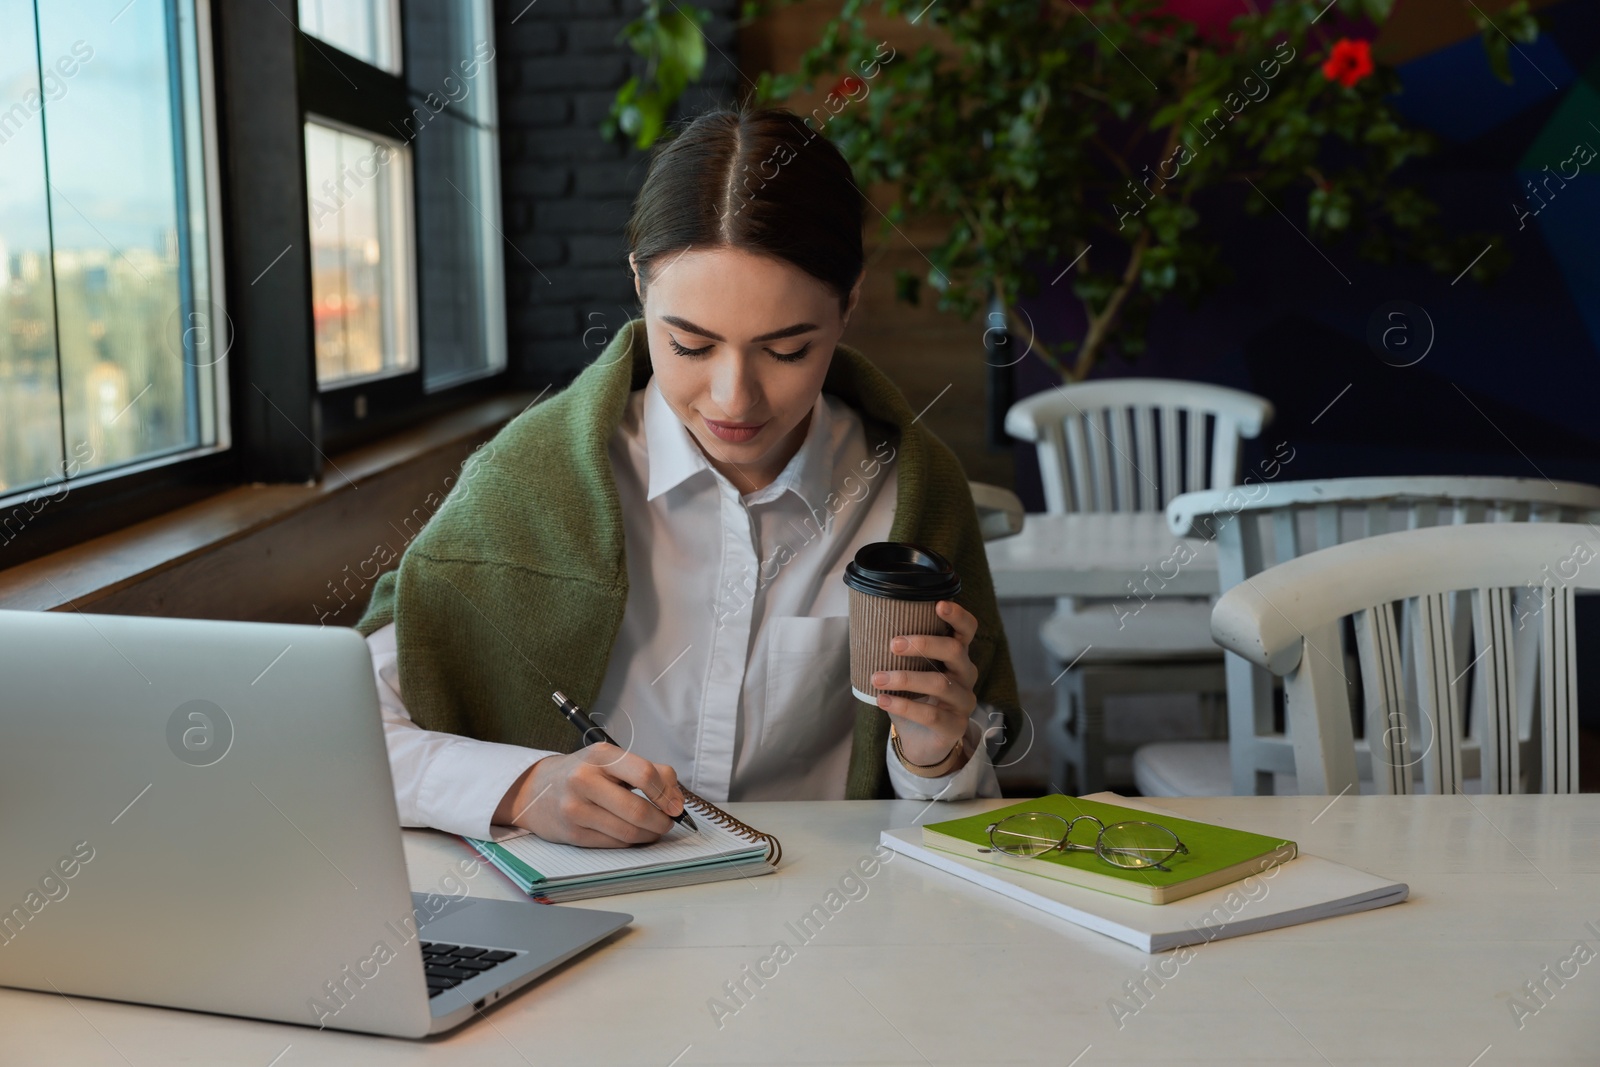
(1076, 137)
(1515, 25)
(674, 49)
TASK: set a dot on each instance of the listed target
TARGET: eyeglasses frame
(1067, 845)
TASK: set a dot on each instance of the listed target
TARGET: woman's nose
(733, 388)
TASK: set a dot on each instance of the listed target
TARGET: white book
(1302, 890)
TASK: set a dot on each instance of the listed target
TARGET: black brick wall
(567, 192)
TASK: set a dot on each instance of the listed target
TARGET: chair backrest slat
(1422, 512)
(1123, 459)
(1324, 752)
(1437, 710)
(1195, 452)
(1171, 451)
(1559, 693)
(1328, 532)
(1499, 733)
(1285, 534)
(1054, 451)
(1387, 728)
(1544, 512)
(1075, 436)
(1100, 457)
(1151, 497)
(1224, 450)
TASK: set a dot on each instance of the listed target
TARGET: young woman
(665, 541)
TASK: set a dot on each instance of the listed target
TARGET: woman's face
(740, 344)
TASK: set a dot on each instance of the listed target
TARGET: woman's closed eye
(676, 347)
(792, 357)
(782, 357)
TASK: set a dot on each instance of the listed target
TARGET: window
(402, 178)
(109, 356)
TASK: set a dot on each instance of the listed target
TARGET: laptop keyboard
(447, 966)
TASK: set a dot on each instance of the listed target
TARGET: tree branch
(1100, 325)
(1101, 322)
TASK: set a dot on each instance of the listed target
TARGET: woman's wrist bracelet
(953, 760)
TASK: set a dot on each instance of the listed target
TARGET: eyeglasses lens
(1137, 845)
(1028, 834)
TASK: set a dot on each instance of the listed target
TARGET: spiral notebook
(552, 873)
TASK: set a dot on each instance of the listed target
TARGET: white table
(922, 967)
(1093, 555)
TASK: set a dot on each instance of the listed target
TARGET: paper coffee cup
(894, 591)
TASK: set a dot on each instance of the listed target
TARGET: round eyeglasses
(1131, 845)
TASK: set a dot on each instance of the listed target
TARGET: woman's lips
(733, 432)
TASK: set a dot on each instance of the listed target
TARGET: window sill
(99, 570)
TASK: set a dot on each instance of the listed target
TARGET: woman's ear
(855, 297)
(634, 266)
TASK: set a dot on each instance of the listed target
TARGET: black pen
(593, 734)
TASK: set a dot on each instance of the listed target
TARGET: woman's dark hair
(757, 180)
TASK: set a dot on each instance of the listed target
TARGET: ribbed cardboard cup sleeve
(874, 621)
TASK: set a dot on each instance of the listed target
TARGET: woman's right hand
(586, 798)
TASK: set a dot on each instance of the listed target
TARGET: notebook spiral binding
(728, 822)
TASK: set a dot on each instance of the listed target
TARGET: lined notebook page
(556, 861)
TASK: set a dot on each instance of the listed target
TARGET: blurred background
(258, 254)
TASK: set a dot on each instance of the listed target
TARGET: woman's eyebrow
(787, 331)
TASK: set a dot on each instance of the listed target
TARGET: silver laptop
(200, 815)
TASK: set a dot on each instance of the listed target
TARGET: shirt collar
(671, 453)
(809, 473)
(674, 457)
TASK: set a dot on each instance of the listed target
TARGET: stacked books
(1277, 887)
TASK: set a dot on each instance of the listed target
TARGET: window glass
(30, 403)
(450, 88)
(107, 353)
(462, 281)
(365, 29)
(361, 264)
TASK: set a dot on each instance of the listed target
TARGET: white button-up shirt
(732, 664)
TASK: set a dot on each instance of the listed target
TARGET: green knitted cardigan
(517, 584)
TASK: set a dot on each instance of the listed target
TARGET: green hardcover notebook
(1217, 855)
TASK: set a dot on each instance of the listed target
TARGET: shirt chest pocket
(808, 707)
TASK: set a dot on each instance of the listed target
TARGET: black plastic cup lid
(902, 571)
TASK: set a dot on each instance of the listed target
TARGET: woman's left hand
(930, 725)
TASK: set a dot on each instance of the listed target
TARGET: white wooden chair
(1517, 578)
(1285, 520)
(1129, 445)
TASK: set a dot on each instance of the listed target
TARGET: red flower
(1349, 62)
(845, 86)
